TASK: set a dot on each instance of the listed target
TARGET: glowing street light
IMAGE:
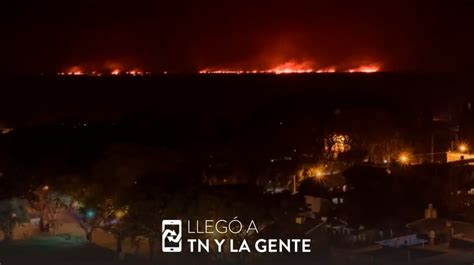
(463, 148)
(319, 174)
(90, 214)
(120, 214)
(404, 158)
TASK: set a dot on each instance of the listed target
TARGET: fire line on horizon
(289, 67)
(296, 68)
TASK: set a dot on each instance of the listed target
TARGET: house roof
(440, 225)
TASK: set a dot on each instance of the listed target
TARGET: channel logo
(171, 237)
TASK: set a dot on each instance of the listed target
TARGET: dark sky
(48, 36)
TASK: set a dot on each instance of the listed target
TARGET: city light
(404, 158)
(462, 147)
(319, 174)
(90, 214)
(120, 214)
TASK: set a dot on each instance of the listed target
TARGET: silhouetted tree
(13, 211)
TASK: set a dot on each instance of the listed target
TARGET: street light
(120, 214)
(319, 174)
(462, 148)
(90, 214)
(404, 158)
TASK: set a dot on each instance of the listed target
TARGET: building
(458, 156)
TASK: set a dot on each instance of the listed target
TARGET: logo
(223, 236)
(171, 236)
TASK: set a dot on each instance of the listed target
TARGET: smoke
(168, 36)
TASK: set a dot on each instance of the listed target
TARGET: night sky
(422, 36)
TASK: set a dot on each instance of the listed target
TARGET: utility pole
(432, 147)
(294, 184)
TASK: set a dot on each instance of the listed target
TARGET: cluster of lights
(89, 213)
(405, 158)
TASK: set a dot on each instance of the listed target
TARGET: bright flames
(134, 72)
(326, 70)
(293, 67)
(289, 67)
(115, 72)
(76, 70)
(371, 68)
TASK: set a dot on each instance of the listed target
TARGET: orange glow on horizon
(115, 72)
(369, 68)
(293, 67)
(289, 67)
(326, 70)
(75, 70)
(134, 72)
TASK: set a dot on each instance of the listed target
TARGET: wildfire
(370, 68)
(289, 67)
(95, 73)
(76, 70)
(292, 67)
(224, 71)
(115, 72)
(326, 70)
(134, 72)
